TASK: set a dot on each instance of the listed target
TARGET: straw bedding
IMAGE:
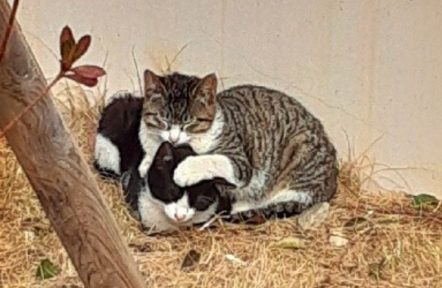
(398, 246)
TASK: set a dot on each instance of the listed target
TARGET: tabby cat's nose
(174, 134)
(173, 140)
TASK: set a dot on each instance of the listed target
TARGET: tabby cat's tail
(273, 211)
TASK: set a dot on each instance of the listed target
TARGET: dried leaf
(314, 217)
(47, 270)
(289, 243)
(90, 82)
(375, 269)
(89, 71)
(355, 221)
(357, 224)
(234, 259)
(192, 258)
(422, 200)
(338, 240)
(81, 47)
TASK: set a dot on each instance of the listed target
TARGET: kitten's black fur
(163, 188)
(119, 123)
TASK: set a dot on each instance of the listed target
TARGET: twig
(9, 29)
(32, 104)
(136, 68)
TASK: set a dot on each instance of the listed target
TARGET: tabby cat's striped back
(284, 148)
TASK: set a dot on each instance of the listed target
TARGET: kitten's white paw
(190, 171)
(144, 167)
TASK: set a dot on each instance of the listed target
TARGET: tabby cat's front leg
(195, 169)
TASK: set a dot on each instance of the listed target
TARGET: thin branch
(178, 54)
(9, 29)
(136, 68)
(32, 104)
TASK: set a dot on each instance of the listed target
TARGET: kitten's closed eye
(150, 114)
(203, 202)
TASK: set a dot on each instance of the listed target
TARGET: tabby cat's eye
(199, 119)
(167, 116)
(150, 114)
(186, 118)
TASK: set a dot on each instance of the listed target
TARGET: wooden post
(58, 173)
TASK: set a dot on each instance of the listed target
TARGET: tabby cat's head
(178, 107)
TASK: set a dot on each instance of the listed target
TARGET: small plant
(422, 201)
(70, 52)
(47, 270)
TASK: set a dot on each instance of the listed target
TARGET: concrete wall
(368, 67)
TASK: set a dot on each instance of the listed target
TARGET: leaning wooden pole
(58, 173)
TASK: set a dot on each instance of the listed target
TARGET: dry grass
(407, 241)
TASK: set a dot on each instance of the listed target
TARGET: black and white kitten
(194, 204)
(171, 206)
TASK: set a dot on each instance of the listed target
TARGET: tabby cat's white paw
(190, 171)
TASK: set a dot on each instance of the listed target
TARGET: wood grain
(58, 172)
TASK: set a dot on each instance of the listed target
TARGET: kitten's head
(198, 202)
(181, 205)
(160, 175)
(178, 107)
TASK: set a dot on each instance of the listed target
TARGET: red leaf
(81, 47)
(89, 71)
(66, 36)
(66, 63)
(90, 82)
(67, 44)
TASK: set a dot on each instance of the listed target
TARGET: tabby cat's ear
(205, 91)
(152, 84)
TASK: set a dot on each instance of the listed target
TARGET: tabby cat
(263, 141)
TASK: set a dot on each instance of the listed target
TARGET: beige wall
(370, 68)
